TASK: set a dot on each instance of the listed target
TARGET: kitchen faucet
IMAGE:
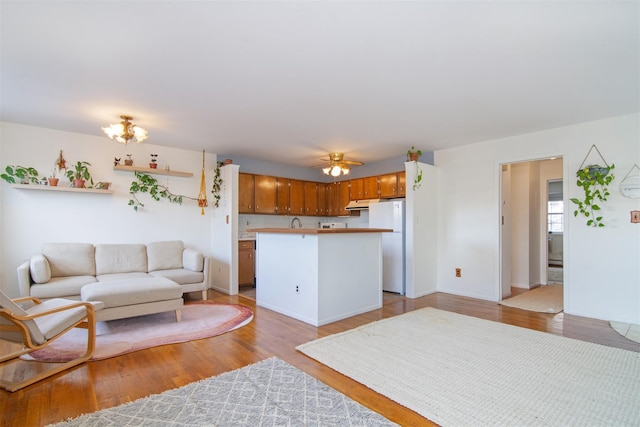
(294, 220)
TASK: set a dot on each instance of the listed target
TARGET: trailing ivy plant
(147, 184)
(217, 184)
(24, 174)
(594, 180)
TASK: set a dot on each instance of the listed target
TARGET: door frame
(501, 251)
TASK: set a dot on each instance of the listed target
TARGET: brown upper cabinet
(322, 199)
(356, 189)
(265, 194)
(282, 206)
(343, 198)
(310, 198)
(371, 187)
(296, 197)
(246, 195)
(389, 185)
(402, 184)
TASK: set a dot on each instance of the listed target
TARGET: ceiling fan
(336, 165)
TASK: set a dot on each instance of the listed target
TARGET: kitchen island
(319, 276)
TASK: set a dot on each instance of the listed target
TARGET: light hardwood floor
(107, 383)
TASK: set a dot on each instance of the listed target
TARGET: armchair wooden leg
(178, 315)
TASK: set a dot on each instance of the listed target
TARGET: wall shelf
(60, 188)
(152, 171)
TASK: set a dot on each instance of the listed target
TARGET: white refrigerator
(391, 215)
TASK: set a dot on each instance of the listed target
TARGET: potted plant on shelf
(79, 174)
(413, 155)
(24, 174)
(53, 179)
(154, 161)
(128, 161)
(594, 180)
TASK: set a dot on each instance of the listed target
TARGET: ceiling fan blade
(353, 162)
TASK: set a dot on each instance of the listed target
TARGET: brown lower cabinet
(246, 263)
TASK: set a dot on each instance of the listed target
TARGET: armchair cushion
(40, 269)
(165, 255)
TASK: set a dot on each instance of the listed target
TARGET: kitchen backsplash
(268, 221)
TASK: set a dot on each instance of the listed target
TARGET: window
(555, 216)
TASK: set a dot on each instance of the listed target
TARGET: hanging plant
(594, 180)
(147, 184)
(217, 184)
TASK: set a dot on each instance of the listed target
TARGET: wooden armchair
(35, 327)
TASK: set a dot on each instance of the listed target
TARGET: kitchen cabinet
(296, 197)
(402, 184)
(371, 187)
(310, 198)
(246, 263)
(322, 199)
(246, 193)
(356, 189)
(282, 196)
(265, 194)
(343, 198)
(389, 185)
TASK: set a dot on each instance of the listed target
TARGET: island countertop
(319, 230)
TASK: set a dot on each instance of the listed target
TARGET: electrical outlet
(297, 289)
(458, 272)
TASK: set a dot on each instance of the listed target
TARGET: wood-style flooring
(111, 382)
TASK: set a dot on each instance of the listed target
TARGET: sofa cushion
(61, 287)
(40, 270)
(70, 259)
(129, 292)
(121, 258)
(192, 260)
(180, 275)
(165, 255)
(121, 276)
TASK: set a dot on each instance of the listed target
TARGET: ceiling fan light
(326, 170)
(335, 170)
(345, 170)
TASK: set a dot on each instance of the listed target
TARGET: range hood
(359, 205)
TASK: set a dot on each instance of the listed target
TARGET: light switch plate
(635, 217)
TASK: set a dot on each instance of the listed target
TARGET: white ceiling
(290, 81)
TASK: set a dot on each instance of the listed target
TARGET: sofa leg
(204, 295)
(178, 315)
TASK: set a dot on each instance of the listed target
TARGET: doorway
(526, 188)
(555, 231)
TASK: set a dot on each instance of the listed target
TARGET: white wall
(30, 218)
(602, 273)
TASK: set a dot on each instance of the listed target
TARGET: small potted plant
(53, 179)
(128, 161)
(413, 155)
(154, 161)
(25, 175)
(102, 185)
(79, 174)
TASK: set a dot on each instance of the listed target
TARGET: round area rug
(116, 337)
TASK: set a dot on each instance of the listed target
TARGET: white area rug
(458, 370)
(544, 299)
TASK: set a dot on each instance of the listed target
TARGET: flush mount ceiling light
(337, 165)
(125, 131)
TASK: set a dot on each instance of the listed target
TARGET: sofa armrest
(24, 279)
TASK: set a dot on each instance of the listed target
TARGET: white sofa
(62, 270)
